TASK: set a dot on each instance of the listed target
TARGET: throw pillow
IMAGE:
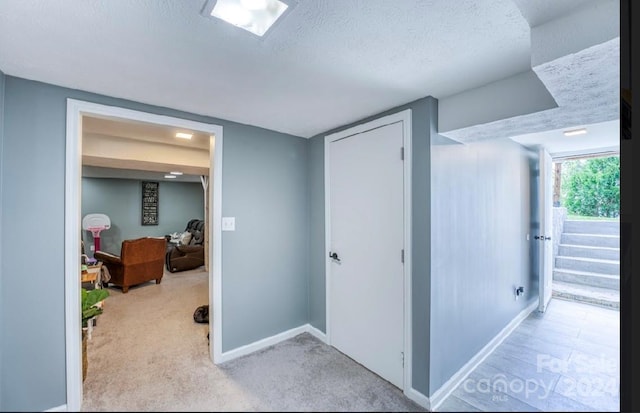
(185, 238)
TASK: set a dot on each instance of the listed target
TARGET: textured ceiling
(328, 63)
(586, 87)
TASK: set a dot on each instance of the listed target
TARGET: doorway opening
(76, 112)
(582, 324)
(586, 247)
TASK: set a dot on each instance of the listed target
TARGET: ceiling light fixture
(575, 132)
(175, 173)
(254, 4)
(184, 135)
(170, 176)
(256, 16)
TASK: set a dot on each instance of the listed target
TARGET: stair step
(586, 251)
(592, 227)
(592, 240)
(607, 281)
(594, 265)
(602, 297)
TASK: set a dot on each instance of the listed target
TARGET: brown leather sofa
(185, 257)
(188, 257)
(140, 260)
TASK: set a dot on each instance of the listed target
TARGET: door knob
(542, 238)
(334, 256)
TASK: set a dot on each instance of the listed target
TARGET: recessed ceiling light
(175, 173)
(254, 4)
(575, 132)
(256, 16)
(170, 176)
(184, 135)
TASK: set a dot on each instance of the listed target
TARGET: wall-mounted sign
(149, 203)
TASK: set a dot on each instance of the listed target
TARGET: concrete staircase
(587, 265)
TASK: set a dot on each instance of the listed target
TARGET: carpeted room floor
(147, 354)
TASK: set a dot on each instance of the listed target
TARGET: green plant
(89, 300)
(591, 187)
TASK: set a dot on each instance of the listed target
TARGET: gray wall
(2, 77)
(481, 215)
(264, 261)
(424, 120)
(120, 200)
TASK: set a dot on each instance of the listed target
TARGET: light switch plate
(228, 223)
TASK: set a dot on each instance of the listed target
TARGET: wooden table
(92, 275)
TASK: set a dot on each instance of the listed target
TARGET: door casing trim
(76, 109)
(404, 117)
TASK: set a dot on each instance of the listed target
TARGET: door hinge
(402, 353)
(402, 256)
(402, 153)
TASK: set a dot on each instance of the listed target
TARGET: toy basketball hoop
(96, 223)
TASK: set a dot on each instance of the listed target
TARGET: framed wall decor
(150, 203)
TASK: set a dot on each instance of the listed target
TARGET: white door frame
(546, 220)
(72, 218)
(405, 117)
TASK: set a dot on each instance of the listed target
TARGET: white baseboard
(445, 390)
(316, 333)
(62, 408)
(419, 398)
(261, 344)
(269, 341)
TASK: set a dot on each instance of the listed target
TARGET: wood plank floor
(567, 359)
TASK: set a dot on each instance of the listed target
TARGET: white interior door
(366, 298)
(546, 229)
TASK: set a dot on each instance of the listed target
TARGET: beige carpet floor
(147, 354)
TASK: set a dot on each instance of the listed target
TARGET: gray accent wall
(424, 121)
(264, 261)
(120, 200)
(481, 213)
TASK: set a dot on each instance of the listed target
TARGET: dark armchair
(190, 256)
(140, 260)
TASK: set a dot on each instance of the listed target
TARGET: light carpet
(147, 354)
